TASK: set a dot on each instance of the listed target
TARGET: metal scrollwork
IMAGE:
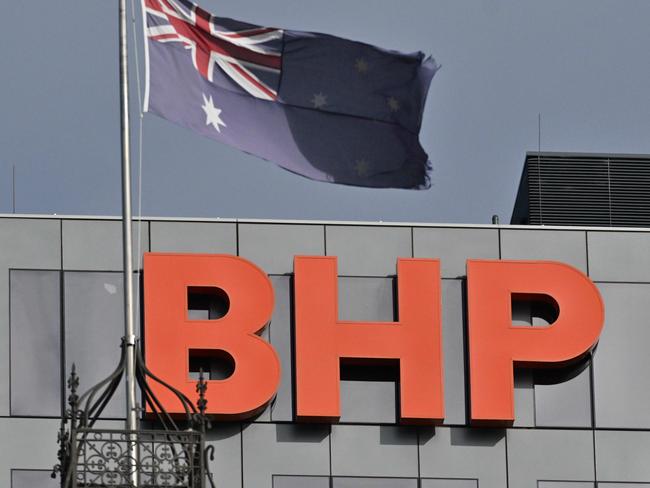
(173, 456)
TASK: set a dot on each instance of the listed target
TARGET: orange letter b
(171, 335)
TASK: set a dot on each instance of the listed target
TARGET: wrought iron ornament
(173, 455)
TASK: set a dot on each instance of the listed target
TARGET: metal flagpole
(127, 243)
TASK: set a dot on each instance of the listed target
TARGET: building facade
(61, 303)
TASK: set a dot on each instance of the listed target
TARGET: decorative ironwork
(104, 458)
(173, 456)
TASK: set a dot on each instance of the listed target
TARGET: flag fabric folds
(323, 107)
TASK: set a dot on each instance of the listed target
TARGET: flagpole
(127, 243)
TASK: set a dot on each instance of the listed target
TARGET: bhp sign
(322, 340)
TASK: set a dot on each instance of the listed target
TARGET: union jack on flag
(250, 56)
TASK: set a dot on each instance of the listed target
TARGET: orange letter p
(496, 346)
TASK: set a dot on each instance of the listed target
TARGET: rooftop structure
(609, 190)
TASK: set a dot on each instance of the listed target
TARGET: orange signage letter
(496, 345)
(171, 335)
(322, 340)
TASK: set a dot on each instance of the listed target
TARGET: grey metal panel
(374, 483)
(280, 336)
(569, 247)
(97, 244)
(455, 246)
(453, 327)
(448, 483)
(94, 325)
(565, 484)
(459, 452)
(301, 482)
(621, 358)
(25, 243)
(368, 251)
(29, 444)
(536, 454)
(196, 237)
(33, 479)
(373, 450)
(368, 402)
(226, 468)
(371, 300)
(366, 299)
(35, 343)
(284, 449)
(565, 404)
(622, 456)
(524, 396)
(619, 256)
(273, 246)
(265, 415)
(602, 484)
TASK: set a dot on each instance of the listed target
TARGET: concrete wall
(61, 302)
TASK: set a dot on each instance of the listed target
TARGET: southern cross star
(319, 100)
(362, 167)
(393, 104)
(361, 65)
(212, 114)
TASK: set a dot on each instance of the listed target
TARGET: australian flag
(323, 107)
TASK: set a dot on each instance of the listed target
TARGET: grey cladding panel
(33, 479)
(566, 403)
(368, 251)
(30, 243)
(524, 397)
(24, 243)
(448, 483)
(367, 402)
(619, 256)
(227, 464)
(280, 336)
(621, 358)
(568, 247)
(384, 451)
(371, 300)
(94, 325)
(273, 246)
(284, 449)
(535, 454)
(97, 244)
(565, 484)
(455, 246)
(366, 299)
(623, 456)
(195, 237)
(453, 326)
(35, 343)
(32, 446)
(602, 484)
(462, 453)
(374, 483)
(301, 482)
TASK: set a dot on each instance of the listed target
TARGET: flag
(323, 107)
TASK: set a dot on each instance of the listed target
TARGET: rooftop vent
(609, 190)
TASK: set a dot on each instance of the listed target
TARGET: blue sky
(582, 64)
